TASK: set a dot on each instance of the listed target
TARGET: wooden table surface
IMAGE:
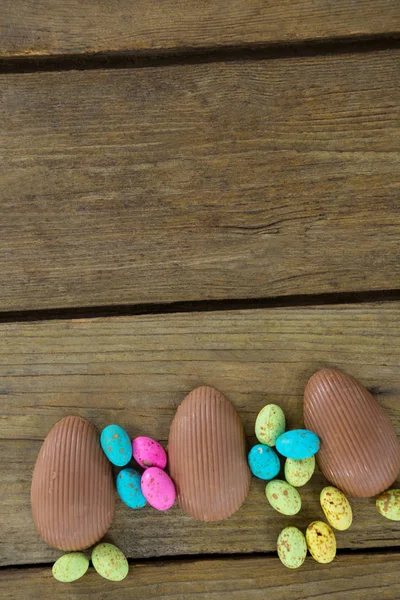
(196, 193)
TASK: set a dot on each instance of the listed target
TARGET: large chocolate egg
(72, 492)
(207, 456)
(360, 453)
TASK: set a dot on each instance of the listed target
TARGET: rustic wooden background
(196, 193)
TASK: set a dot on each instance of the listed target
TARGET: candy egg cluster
(154, 485)
(108, 560)
(298, 447)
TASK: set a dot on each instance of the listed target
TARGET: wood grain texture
(352, 577)
(226, 180)
(48, 27)
(136, 371)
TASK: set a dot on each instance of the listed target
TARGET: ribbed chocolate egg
(207, 456)
(360, 453)
(72, 492)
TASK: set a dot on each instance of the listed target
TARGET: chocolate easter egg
(207, 456)
(72, 492)
(359, 453)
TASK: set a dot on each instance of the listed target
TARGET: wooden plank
(351, 577)
(136, 371)
(51, 27)
(227, 180)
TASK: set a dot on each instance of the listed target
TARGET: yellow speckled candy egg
(70, 567)
(321, 542)
(283, 497)
(110, 562)
(388, 504)
(270, 424)
(298, 472)
(336, 507)
(292, 547)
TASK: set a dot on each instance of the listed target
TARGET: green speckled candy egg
(283, 497)
(110, 562)
(292, 547)
(270, 424)
(70, 567)
(336, 507)
(388, 504)
(321, 542)
(298, 472)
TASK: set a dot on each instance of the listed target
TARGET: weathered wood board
(349, 577)
(53, 27)
(216, 181)
(135, 371)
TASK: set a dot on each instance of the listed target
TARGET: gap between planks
(191, 56)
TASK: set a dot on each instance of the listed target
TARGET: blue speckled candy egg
(298, 444)
(129, 488)
(116, 445)
(263, 462)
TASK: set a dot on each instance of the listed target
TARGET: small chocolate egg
(116, 445)
(388, 504)
(292, 547)
(129, 488)
(73, 493)
(148, 453)
(283, 497)
(70, 567)
(321, 542)
(360, 452)
(336, 507)
(110, 562)
(298, 444)
(158, 488)
(298, 472)
(263, 462)
(270, 424)
(207, 456)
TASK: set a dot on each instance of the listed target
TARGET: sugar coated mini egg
(110, 562)
(321, 542)
(263, 462)
(148, 453)
(116, 445)
(283, 497)
(292, 547)
(129, 488)
(270, 424)
(70, 567)
(158, 488)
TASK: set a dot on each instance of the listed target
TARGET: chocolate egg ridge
(72, 492)
(360, 453)
(207, 454)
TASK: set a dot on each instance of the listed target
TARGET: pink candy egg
(158, 488)
(148, 453)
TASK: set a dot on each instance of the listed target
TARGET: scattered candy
(148, 453)
(283, 497)
(321, 542)
(70, 567)
(336, 508)
(298, 472)
(110, 562)
(388, 504)
(116, 445)
(129, 488)
(292, 547)
(263, 462)
(298, 444)
(158, 488)
(270, 424)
